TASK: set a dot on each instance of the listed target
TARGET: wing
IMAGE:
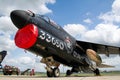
(99, 48)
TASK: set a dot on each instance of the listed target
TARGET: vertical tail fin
(2, 55)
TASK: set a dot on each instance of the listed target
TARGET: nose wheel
(54, 72)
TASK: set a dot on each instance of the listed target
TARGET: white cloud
(110, 17)
(113, 15)
(113, 61)
(6, 32)
(26, 60)
(6, 25)
(89, 21)
(75, 30)
(116, 7)
(6, 6)
(104, 32)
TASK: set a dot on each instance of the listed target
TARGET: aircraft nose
(20, 18)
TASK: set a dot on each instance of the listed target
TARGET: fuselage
(45, 38)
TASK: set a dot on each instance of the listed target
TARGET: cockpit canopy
(50, 21)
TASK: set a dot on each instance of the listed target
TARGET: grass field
(112, 73)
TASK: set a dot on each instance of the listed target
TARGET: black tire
(68, 73)
(17, 73)
(49, 74)
(4, 73)
(10, 73)
(97, 72)
(56, 72)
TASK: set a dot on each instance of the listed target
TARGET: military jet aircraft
(40, 35)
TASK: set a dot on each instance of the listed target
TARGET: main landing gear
(96, 72)
(69, 72)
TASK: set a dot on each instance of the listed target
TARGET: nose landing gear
(50, 63)
(53, 73)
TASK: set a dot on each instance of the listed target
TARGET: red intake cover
(27, 36)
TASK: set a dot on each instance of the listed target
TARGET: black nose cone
(19, 18)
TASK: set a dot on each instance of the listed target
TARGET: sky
(89, 20)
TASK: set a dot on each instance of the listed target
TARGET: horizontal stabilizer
(105, 66)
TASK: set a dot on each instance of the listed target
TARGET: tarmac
(59, 78)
